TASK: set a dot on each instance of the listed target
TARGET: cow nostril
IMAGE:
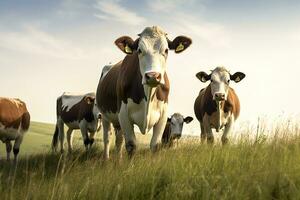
(220, 96)
(153, 75)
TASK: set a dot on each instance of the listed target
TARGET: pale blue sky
(48, 47)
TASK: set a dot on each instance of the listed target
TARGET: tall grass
(249, 168)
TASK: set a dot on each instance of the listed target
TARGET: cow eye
(166, 51)
(228, 81)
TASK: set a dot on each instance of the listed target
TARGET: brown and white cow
(173, 129)
(77, 111)
(135, 91)
(14, 123)
(217, 106)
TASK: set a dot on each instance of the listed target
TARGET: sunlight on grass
(265, 166)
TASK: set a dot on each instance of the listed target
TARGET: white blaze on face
(152, 52)
(220, 79)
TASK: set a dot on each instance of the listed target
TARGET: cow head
(91, 101)
(152, 48)
(220, 79)
(176, 124)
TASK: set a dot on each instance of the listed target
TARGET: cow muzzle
(219, 96)
(153, 78)
(176, 135)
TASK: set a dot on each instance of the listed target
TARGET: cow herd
(134, 91)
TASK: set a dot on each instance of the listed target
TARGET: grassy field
(261, 168)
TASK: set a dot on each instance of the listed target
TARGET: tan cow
(217, 106)
(14, 122)
(135, 91)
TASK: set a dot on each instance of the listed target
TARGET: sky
(49, 47)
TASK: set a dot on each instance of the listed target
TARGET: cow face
(220, 79)
(91, 100)
(152, 48)
(176, 124)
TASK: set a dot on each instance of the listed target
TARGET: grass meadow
(259, 164)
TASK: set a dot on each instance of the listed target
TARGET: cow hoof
(130, 147)
(224, 141)
(210, 141)
(91, 142)
(86, 141)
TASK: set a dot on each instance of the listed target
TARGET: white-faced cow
(77, 111)
(14, 122)
(173, 129)
(135, 91)
(217, 106)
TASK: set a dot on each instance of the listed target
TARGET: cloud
(31, 40)
(214, 34)
(112, 10)
(193, 24)
(166, 5)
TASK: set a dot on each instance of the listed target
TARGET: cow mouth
(153, 79)
(152, 83)
(176, 135)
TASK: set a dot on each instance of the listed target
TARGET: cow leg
(119, 141)
(158, 130)
(92, 138)
(207, 130)
(61, 134)
(203, 133)
(106, 137)
(128, 129)
(8, 150)
(70, 140)
(85, 137)
(228, 128)
(16, 148)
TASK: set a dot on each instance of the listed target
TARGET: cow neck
(152, 95)
(149, 93)
(219, 106)
(219, 115)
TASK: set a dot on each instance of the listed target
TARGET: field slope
(245, 170)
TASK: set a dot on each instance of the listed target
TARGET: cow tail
(25, 121)
(55, 138)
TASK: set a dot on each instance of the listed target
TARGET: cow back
(13, 114)
(106, 95)
(76, 111)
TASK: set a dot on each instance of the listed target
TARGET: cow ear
(179, 44)
(237, 77)
(188, 119)
(89, 99)
(203, 77)
(127, 44)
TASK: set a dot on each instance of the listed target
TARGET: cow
(14, 123)
(173, 129)
(135, 90)
(217, 105)
(77, 111)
